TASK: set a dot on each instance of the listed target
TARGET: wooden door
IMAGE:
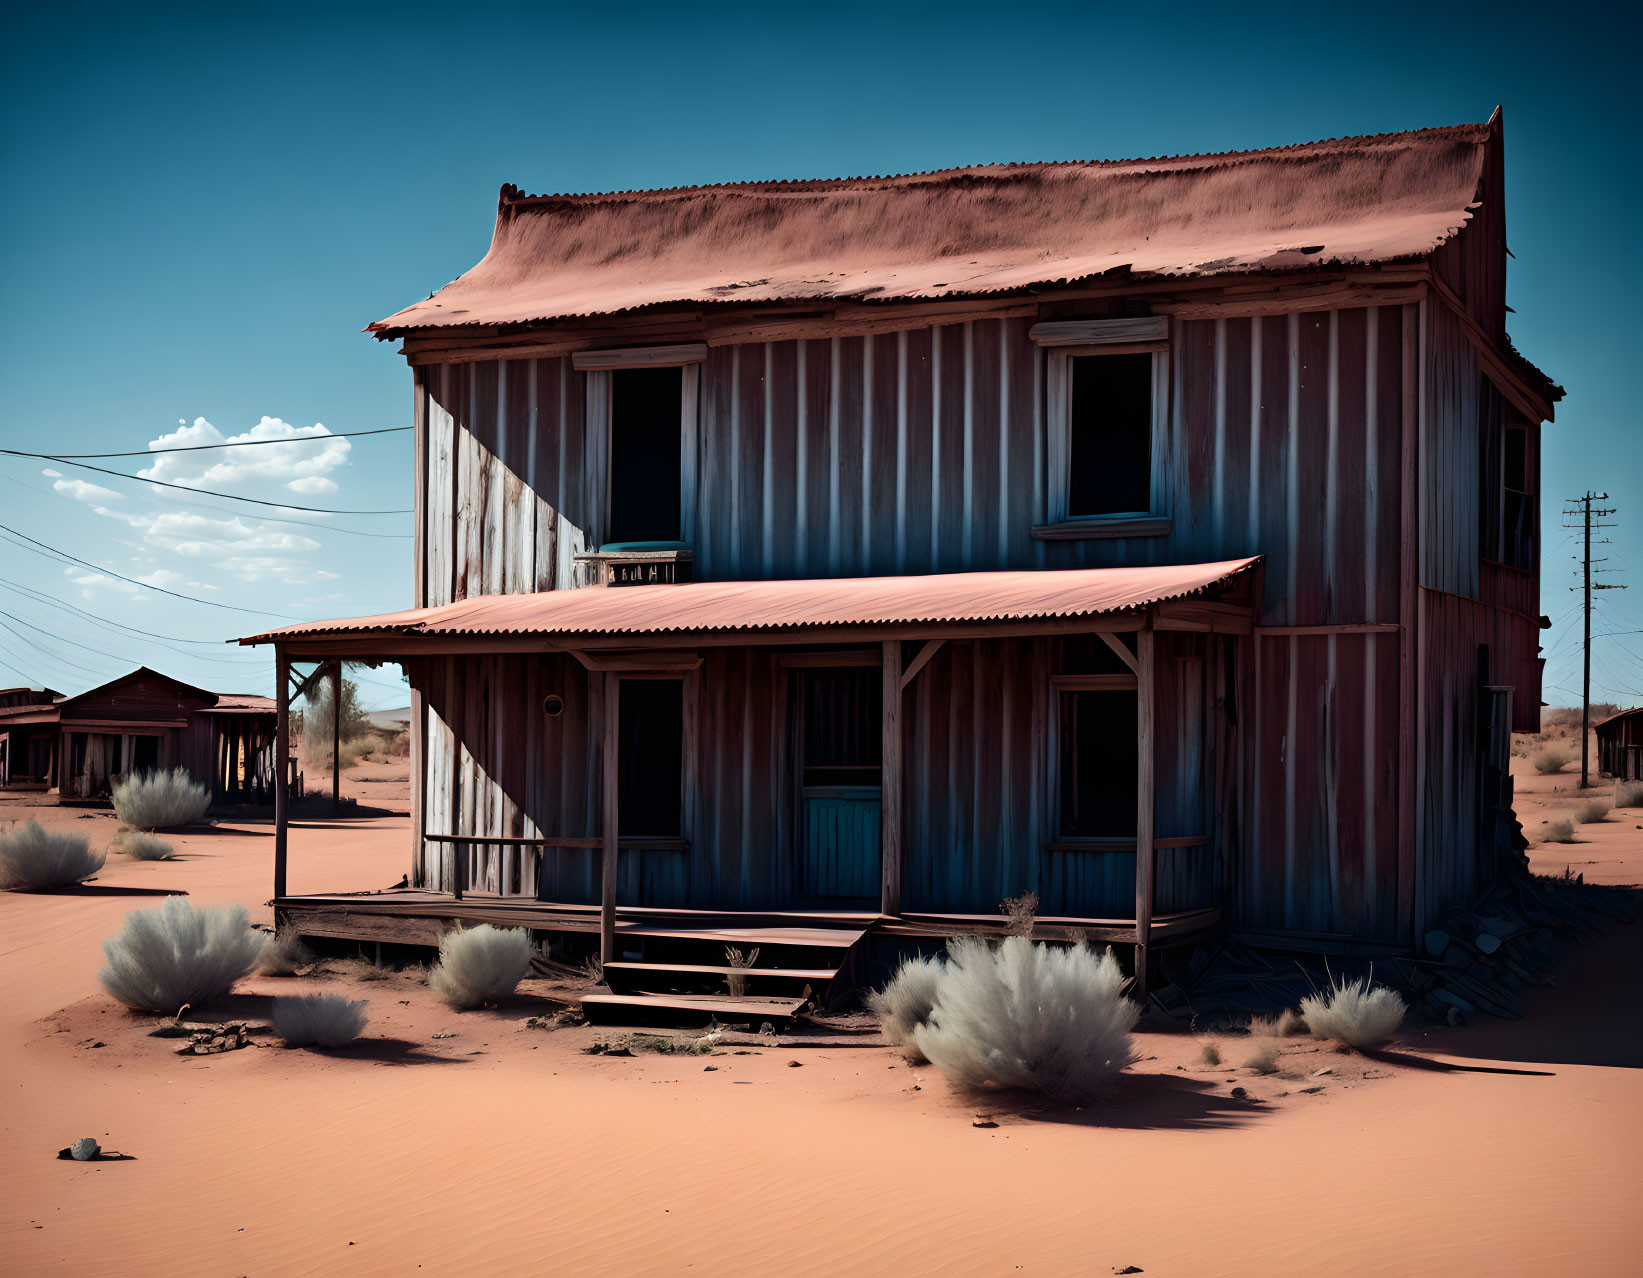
(840, 752)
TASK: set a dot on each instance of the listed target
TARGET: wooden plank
(890, 846)
(642, 356)
(1144, 786)
(1103, 529)
(1145, 328)
(930, 648)
(704, 969)
(609, 816)
(282, 764)
(1409, 549)
(721, 1005)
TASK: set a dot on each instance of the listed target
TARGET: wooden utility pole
(1586, 511)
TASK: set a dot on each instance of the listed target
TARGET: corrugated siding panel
(1449, 458)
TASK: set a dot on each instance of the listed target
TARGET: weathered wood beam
(336, 736)
(633, 662)
(890, 850)
(1122, 650)
(609, 817)
(282, 764)
(1144, 787)
(1408, 605)
(930, 648)
(1101, 332)
(642, 356)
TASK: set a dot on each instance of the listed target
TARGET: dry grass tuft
(1019, 1015)
(175, 954)
(1552, 759)
(160, 800)
(317, 1020)
(480, 965)
(146, 847)
(32, 856)
(283, 954)
(1287, 1024)
(1628, 794)
(1357, 1013)
(1592, 813)
(906, 1002)
(1558, 832)
(1210, 1055)
(1022, 911)
(1262, 1056)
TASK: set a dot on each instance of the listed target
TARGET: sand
(1502, 1149)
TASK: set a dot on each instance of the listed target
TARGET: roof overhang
(835, 610)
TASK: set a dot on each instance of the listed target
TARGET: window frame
(1059, 522)
(597, 368)
(689, 693)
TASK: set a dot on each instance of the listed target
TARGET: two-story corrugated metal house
(1157, 536)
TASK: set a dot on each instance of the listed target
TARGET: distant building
(1620, 745)
(77, 747)
(1157, 536)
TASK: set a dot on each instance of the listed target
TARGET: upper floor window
(645, 461)
(1104, 413)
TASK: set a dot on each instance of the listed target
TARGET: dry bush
(356, 748)
(1552, 759)
(146, 847)
(1558, 832)
(1286, 1024)
(1210, 1055)
(1015, 1014)
(160, 800)
(906, 1002)
(480, 965)
(399, 745)
(1022, 911)
(1591, 813)
(1628, 794)
(1262, 1056)
(1357, 1013)
(318, 1020)
(283, 954)
(32, 856)
(736, 982)
(175, 954)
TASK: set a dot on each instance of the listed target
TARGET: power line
(223, 658)
(200, 448)
(209, 492)
(109, 572)
(42, 597)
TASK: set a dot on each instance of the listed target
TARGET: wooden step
(813, 974)
(642, 1007)
(801, 937)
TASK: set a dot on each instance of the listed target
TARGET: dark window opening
(1518, 527)
(1089, 654)
(644, 454)
(1109, 424)
(843, 737)
(650, 758)
(1098, 764)
(145, 754)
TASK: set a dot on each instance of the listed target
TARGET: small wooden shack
(79, 746)
(1620, 745)
(1159, 537)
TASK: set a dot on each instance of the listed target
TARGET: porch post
(282, 765)
(336, 736)
(609, 820)
(890, 783)
(1143, 806)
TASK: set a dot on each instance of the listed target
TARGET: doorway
(840, 779)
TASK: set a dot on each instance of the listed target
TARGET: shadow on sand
(1139, 1102)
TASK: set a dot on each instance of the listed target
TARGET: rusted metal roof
(241, 703)
(708, 606)
(966, 232)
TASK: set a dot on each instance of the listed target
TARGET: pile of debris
(206, 1039)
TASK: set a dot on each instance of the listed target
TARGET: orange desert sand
(1498, 1149)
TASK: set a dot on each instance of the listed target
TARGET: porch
(1071, 734)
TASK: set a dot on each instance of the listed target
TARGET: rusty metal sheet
(967, 232)
(786, 605)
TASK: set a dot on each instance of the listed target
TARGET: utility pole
(1582, 508)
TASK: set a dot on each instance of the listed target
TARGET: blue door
(839, 787)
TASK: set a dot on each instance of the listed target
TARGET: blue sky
(205, 206)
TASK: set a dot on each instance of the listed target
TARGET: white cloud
(313, 485)
(80, 490)
(250, 469)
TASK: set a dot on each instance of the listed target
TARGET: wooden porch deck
(412, 916)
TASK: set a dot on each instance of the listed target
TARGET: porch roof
(847, 604)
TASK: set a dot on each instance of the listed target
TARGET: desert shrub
(480, 964)
(1357, 1013)
(174, 954)
(146, 847)
(1558, 832)
(1022, 912)
(283, 953)
(1016, 1014)
(1262, 1056)
(399, 745)
(1210, 1054)
(906, 1002)
(160, 800)
(1628, 794)
(1552, 759)
(1591, 813)
(317, 1020)
(1286, 1024)
(32, 856)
